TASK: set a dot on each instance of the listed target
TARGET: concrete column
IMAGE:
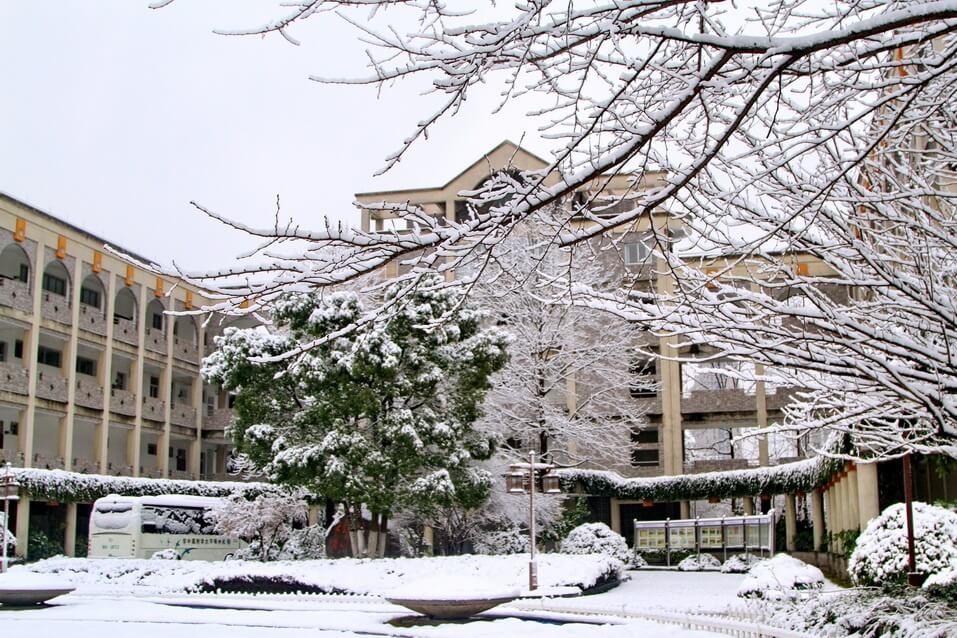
(136, 381)
(69, 373)
(31, 339)
(868, 504)
(105, 377)
(761, 415)
(830, 523)
(69, 540)
(315, 514)
(669, 376)
(817, 518)
(23, 526)
(854, 518)
(166, 393)
(790, 523)
(615, 515)
(748, 505)
(685, 507)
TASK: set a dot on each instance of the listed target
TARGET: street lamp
(9, 491)
(522, 478)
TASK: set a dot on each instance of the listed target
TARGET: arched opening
(14, 263)
(154, 315)
(56, 279)
(92, 292)
(125, 305)
(184, 329)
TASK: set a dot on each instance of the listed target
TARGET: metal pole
(6, 525)
(913, 578)
(532, 567)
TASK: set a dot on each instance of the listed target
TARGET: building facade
(95, 377)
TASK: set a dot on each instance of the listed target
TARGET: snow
(452, 587)
(22, 579)
(780, 577)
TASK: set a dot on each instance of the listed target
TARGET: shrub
(638, 562)
(596, 538)
(943, 584)
(781, 577)
(507, 541)
(880, 558)
(740, 563)
(40, 546)
(699, 563)
(166, 554)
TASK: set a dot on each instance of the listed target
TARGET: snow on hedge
(356, 576)
(880, 556)
(597, 538)
(740, 563)
(699, 563)
(73, 487)
(787, 478)
(780, 577)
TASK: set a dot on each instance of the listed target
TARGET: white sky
(115, 116)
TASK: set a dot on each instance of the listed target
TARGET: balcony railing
(716, 465)
(185, 350)
(12, 456)
(14, 378)
(151, 472)
(154, 409)
(56, 307)
(125, 330)
(156, 340)
(115, 469)
(89, 393)
(181, 474)
(85, 466)
(52, 386)
(15, 294)
(92, 319)
(184, 415)
(123, 402)
(218, 419)
(48, 461)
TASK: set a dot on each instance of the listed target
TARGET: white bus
(141, 526)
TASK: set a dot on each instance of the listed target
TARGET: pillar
(69, 541)
(748, 505)
(790, 523)
(315, 514)
(615, 515)
(23, 526)
(761, 414)
(868, 504)
(817, 518)
(853, 517)
(685, 507)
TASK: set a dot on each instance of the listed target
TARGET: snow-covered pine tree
(376, 415)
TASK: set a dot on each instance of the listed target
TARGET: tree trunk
(383, 534)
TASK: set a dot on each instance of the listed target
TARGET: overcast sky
(114, 117)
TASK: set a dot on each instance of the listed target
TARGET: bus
(141, 526)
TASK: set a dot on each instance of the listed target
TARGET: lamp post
(8, 492)
(519, 476)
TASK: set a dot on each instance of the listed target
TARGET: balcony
(184, 415)
(151, 472)
(52, 386)
(119, 470)
(12, 456)
(716, 465)
(125, 330)
(55, 307)
(182, 475)
(154, 409)
(217, 419)
(89, 393)
(92, 320)
(156, 340)
(185, 350)
(85, 466)
(15, 294)
(14, 378)
(123, 402)
(217, 476)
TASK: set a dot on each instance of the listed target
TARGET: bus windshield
(113, 514)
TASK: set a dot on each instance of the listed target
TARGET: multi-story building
(95, 376)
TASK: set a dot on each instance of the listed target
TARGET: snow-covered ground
(93, 613)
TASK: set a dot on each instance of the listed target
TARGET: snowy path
(82, 616)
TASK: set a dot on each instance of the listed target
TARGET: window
(154, 387)
(151, 449)
(119, 381)
(645, 374)
(90, 297)
(646, 436)
(18, 349)
(644, 457)
(231, 401)
(48, 357)
(86, 366)
(24, 274)
(157, 322)
(54, 284)
(3, 351)
(180, 460)
(636, 253)
(14, 428)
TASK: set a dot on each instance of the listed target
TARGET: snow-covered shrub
(880, 558)
(943, 584)
(308, 543)
(496, 542)
(596, 538)
(699, 563)
(266, 522)
(638, 562)
(166, 554)
(781, 577)
(740, 563)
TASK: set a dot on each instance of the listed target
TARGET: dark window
(90, 297)
(231, 401)
(48, 356)
(18, 349)
(180, 460)
(119, 382)
(644, 457)
(3, 351)
(86, 366)
(14, 428)
(154, 387)
(54, 284)
(646, 436)
(24, 273)
(158, 322)
(151, 449)
(645, 377)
